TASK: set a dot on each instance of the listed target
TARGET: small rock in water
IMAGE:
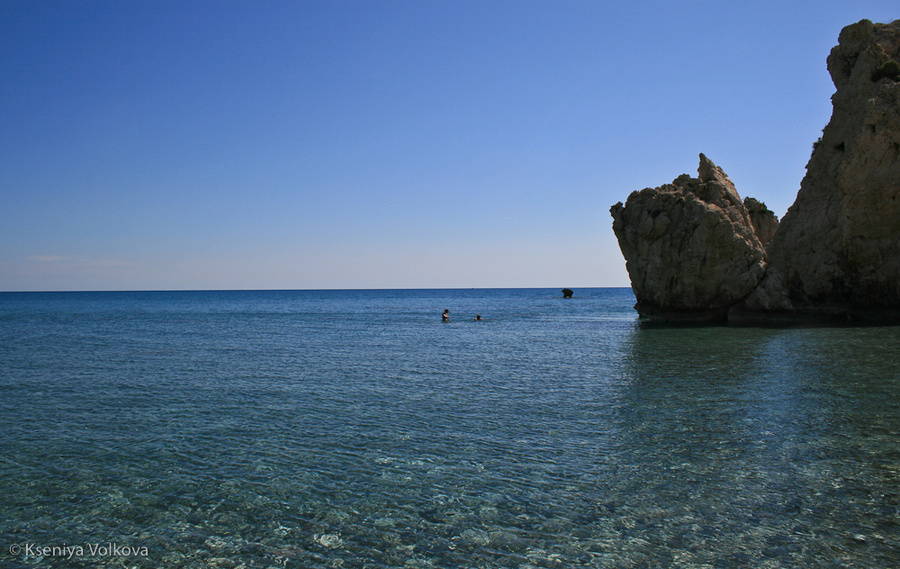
(216, 543)
(476, 537)
(385, 522)
(329, 540)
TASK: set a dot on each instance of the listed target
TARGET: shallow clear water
(355, 429)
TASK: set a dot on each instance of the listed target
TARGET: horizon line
(301, 289)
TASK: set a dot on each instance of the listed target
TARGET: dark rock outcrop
(694, 251)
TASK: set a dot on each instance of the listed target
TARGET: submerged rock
(695, 251)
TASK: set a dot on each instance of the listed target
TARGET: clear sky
(384, 144)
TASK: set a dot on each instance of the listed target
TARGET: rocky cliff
(695, 251)
(691, 248)
(838, 246)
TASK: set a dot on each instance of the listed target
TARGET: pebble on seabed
(329, 540)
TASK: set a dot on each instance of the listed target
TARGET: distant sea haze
(356, 428)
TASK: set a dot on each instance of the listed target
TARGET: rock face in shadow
(696, 252)
(838, 246)
(691, 248)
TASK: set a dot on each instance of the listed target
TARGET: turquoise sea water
(355, 429)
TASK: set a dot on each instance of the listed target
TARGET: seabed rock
(696, 253)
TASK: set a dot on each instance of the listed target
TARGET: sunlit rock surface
(764, 220)
(838, 246)
(691, 249)
(695, 251)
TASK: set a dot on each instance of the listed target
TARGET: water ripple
(354, 429)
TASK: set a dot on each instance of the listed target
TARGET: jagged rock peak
(691, 249)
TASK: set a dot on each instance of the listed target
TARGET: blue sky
(384, 144)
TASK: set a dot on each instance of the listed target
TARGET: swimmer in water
(478, 317)
(446, 315)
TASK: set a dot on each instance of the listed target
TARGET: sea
(356, 429)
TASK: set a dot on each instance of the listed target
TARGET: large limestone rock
(695, 251)
(690, 246)
(838, 246)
